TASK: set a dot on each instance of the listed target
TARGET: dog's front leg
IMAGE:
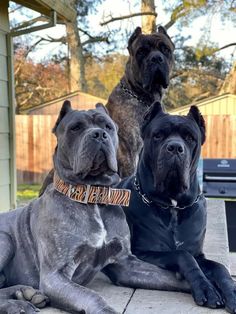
(220, 276)
(129, 271)
(203, 292)
(69, 296)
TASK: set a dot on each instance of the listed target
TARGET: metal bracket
(52, 22)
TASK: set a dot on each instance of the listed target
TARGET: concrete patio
(138, 301)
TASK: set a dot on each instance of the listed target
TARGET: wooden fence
(35, 143)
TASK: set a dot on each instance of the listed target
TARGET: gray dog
(147, 72)
(61, 240)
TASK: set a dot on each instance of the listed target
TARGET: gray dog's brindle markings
(147, 72)
(58, 245)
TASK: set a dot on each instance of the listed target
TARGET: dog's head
(172, 146)
(151, 59)
(87, 144)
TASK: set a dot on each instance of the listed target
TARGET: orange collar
(86, 193)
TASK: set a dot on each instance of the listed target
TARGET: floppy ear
(136, 33)
(99, 106)
(152, 112)
(66, 107)
(195, 114)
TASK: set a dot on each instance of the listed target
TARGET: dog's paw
(206, 295)
(32, 295)
(17, 307)
(230, 301)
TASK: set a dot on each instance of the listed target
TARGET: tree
(36, 83)
(198, 72)
(77, 47)
(148, 21)
(104, 73)
(196, 76)
(229, 84)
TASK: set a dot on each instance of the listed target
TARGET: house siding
(220, 105)
(6, 130)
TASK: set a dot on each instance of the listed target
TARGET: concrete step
(216, 244)
(130, 301)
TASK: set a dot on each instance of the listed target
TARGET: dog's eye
(75, 128)
(165, 50)
(108, 127)
(157, 136)
(142, 51)
(189, 138)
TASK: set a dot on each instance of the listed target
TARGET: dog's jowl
(167, 212)
(76, 228)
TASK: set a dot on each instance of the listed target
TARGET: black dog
(167, 212)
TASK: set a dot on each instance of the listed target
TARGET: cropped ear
(136, 33)
(66, 107)
(163, 31)
(195, 114)
(99, 106)
(153, 111)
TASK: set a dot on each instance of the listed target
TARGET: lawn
(27, 192)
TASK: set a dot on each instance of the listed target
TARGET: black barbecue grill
(219, 181)
(219, 178)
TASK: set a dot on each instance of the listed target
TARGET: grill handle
(217, 178)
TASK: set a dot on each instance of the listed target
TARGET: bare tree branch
(15, 9)
(224, 47)
(118, 18)
(50, 39)
(182, 10)
(177, 13)
(26, 53)
(93, 39)
(96, 39)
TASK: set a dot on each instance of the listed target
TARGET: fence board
(35, 143)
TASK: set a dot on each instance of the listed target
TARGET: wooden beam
(63, 9)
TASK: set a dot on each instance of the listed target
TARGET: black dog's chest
(162, 230)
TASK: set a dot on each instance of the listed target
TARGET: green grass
(27, 192)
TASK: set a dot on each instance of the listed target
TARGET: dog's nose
(99, 135)
(175, 148)
(158, 59)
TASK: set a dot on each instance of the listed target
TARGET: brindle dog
(147, 72)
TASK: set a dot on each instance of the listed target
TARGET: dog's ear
(195, 114)
(163, 31)
(66, 107)
(99, 106)
(103, 109)
(136, 33)
(153, 111)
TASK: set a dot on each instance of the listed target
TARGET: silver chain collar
(131, 93)
(148, 202)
